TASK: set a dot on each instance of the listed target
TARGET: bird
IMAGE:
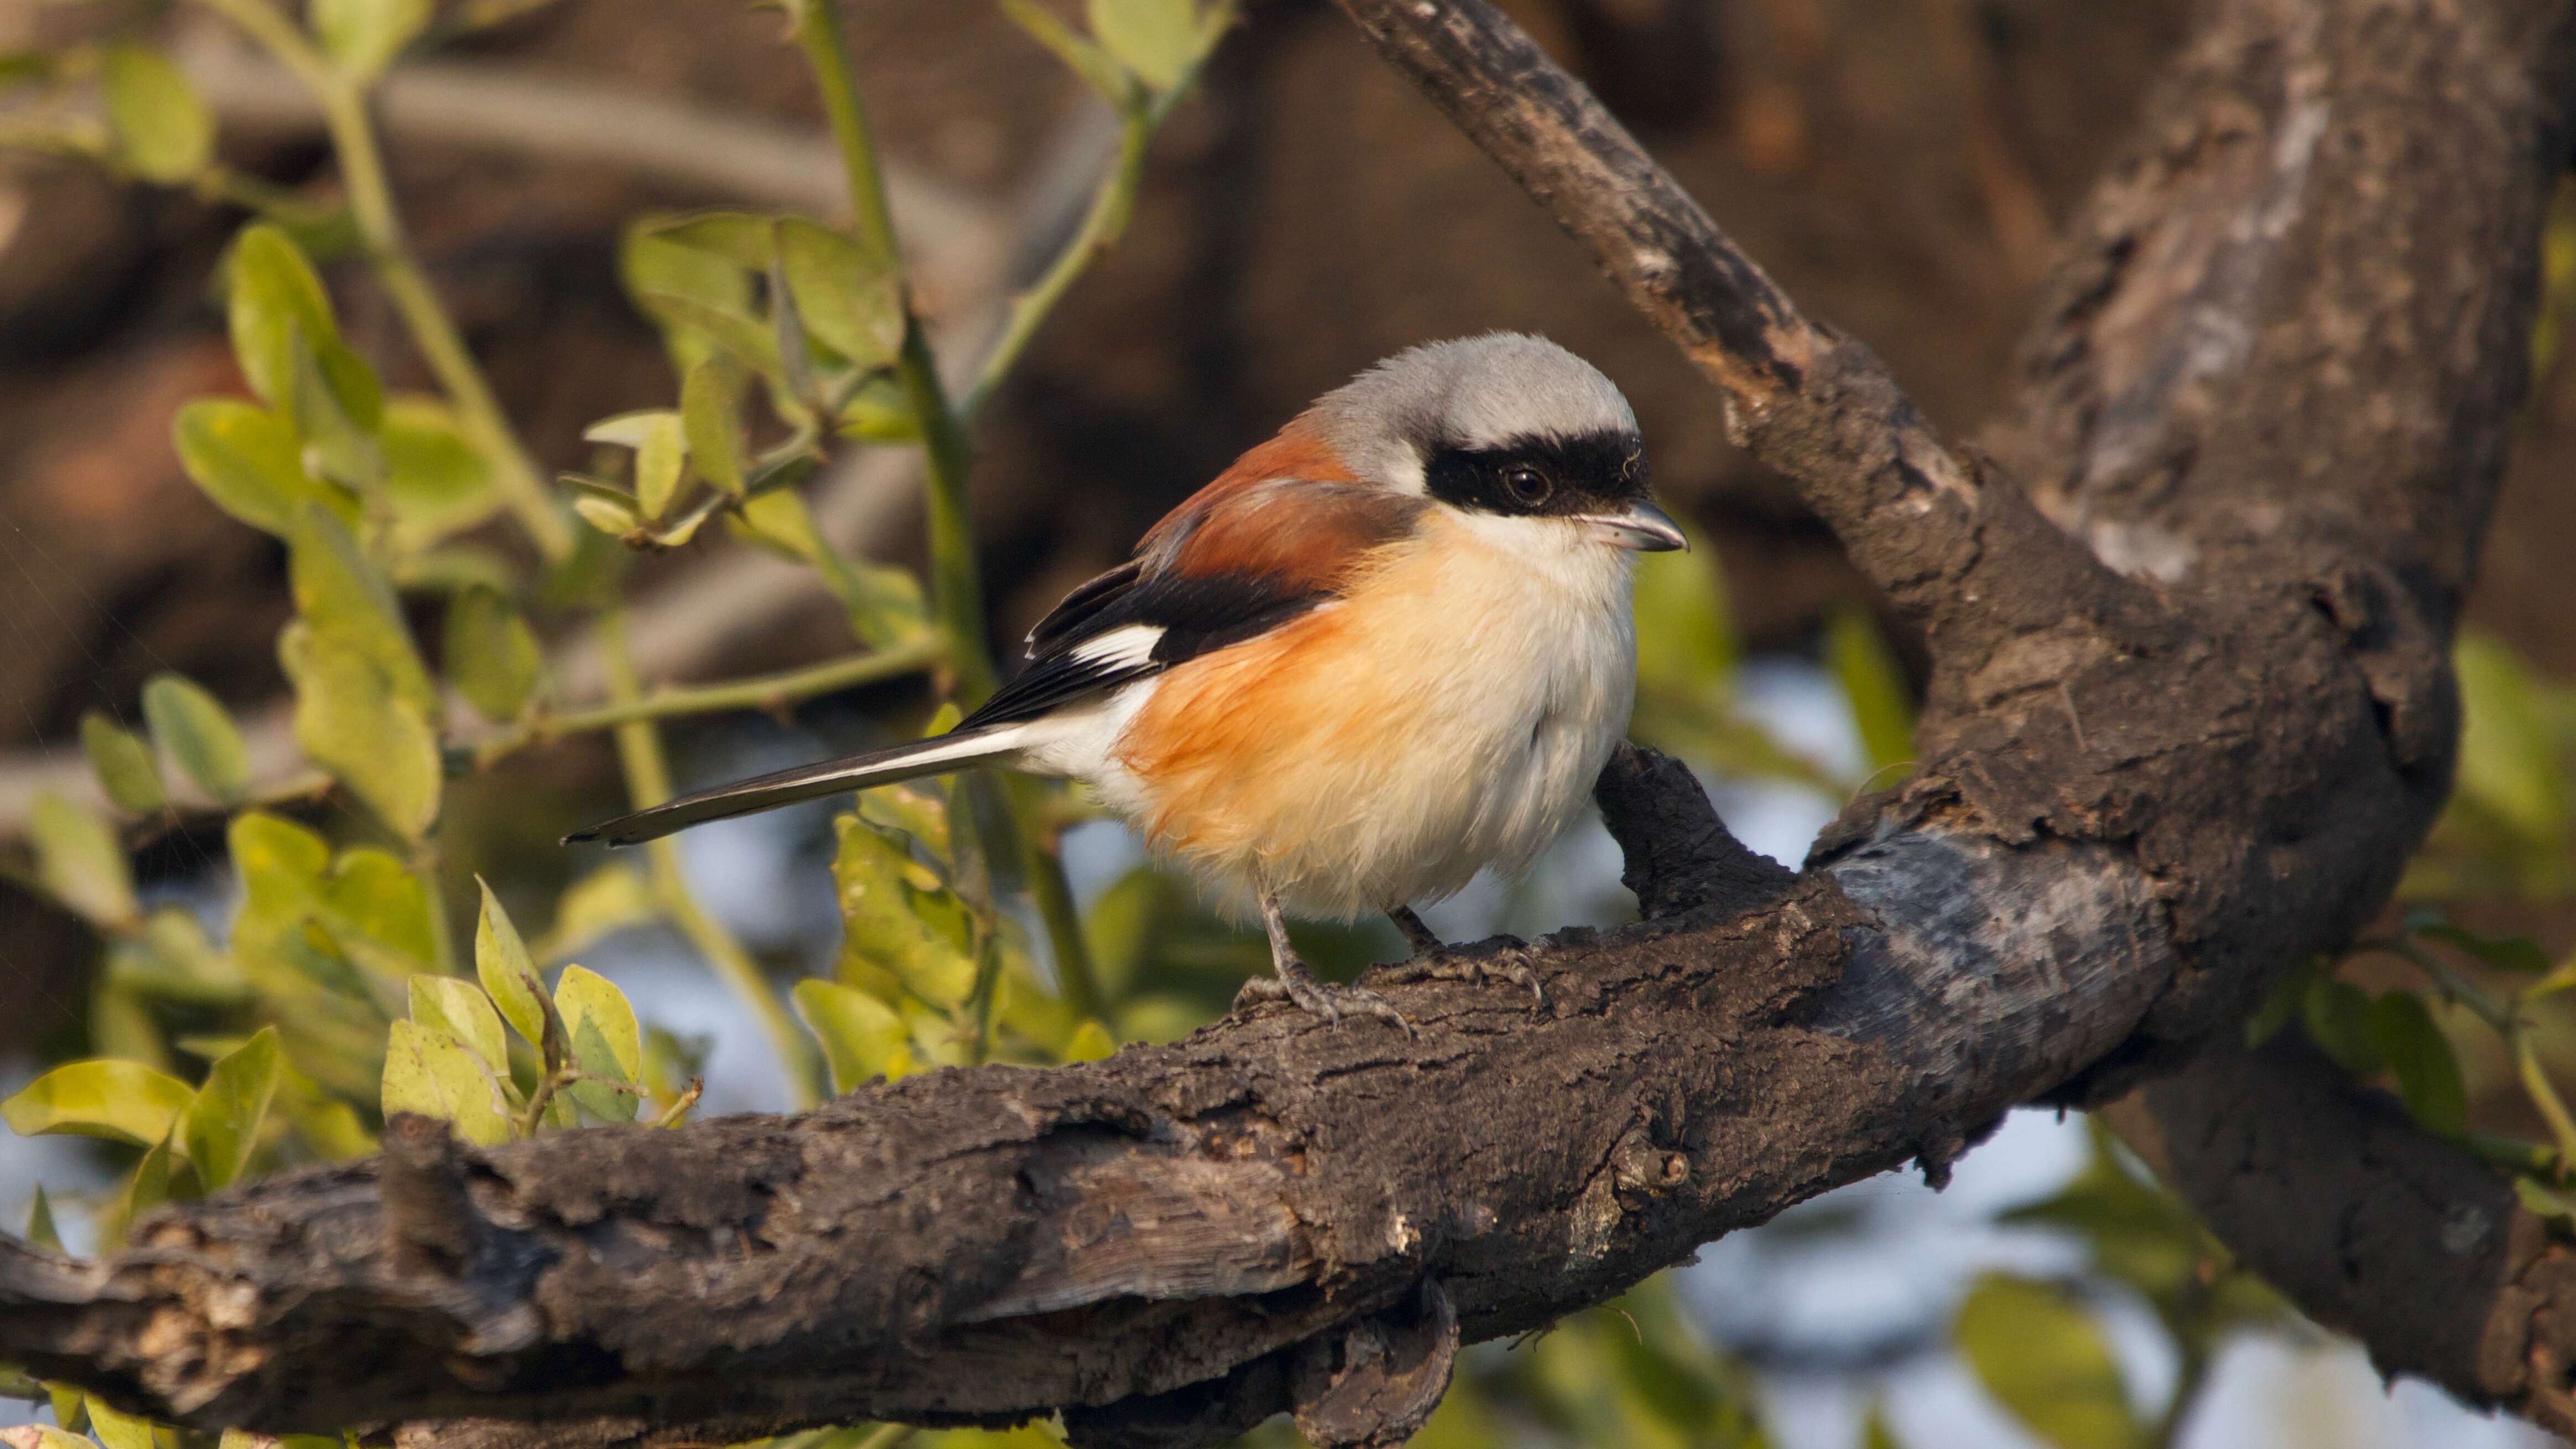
(1389, 647)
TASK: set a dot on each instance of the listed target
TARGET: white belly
(1382, 749)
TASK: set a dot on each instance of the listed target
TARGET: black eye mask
(1546, 477)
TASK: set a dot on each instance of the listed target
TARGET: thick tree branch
(2369, 1223)
(2139, 798)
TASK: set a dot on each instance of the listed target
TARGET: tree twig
(701, 152)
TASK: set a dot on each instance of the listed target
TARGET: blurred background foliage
(373, 523)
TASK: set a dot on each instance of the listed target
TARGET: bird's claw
(1322, 998)
(1512, 964)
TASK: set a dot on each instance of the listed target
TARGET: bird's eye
(1528, 486)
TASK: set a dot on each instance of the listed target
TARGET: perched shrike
(1387, 648)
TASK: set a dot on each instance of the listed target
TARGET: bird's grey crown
(1484, 392)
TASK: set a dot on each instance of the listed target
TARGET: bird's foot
(1296, 984)
(1449, 963)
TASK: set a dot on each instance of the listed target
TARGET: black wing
(1076, 609)
(1080, 648)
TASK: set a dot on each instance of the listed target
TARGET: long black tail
(808, 782)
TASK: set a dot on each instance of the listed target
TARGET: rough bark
(2368, 1223)
(2181, 741)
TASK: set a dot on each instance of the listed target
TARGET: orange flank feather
(1347, 759)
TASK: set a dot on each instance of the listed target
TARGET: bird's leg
(1296, 983)
(1436, 960)
(1423, 940)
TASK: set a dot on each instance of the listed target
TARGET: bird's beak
(1644, 527)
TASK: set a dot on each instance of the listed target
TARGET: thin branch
(1808, 400)
(371, 204)
(947, 450)
(953, 236)
(686, 628)
(757, 692)
(956, 593)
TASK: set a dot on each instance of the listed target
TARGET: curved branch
(2371, 1225)
(2138, 799)
(1803, 397)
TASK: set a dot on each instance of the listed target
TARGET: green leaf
(862, 1037)
(2520, 955)
(2277, 1010)
(276, 853)
(737, 333)
(434, 1074)
(370, 894)
(437, 484)
(878, 413)
(1874, 1432)
(850, 298)
(221, 1128)
(460, 1010)
(162, 131)
(652, 267)
(118, 1430)
(43, 1436)
(884, 603)
(740, 237)
(2551, 1205)
(680, 530)
(26, 67)
(80, 863)
(607, 900)
(625, 430)
(1882, 707)
(919, 809)
(245, 1439)
(1121, 927)
(340, 593)
(600, 1024)
(1085, 59)
(198, 735)
(272, 299)
(501, 963)
(2428, 1074)
(713, 422)
(1157, 39)
(249, 461)
(659, 456)
(2560, 978)
(173, 959)
(121, 1101)
(2339, 1022)
(1091, 1041)
(338, 409)
(2510, 761)
(162, 1176)
(41, 1232)
(1685, 637)
(614, 519)
(123, 763)
(69, 1405)
(353, 721)
(897, 918)
(491, 654)
(2043, 1358)
(362, 37)
(456, 568)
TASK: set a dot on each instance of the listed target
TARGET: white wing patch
(1124, 647)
